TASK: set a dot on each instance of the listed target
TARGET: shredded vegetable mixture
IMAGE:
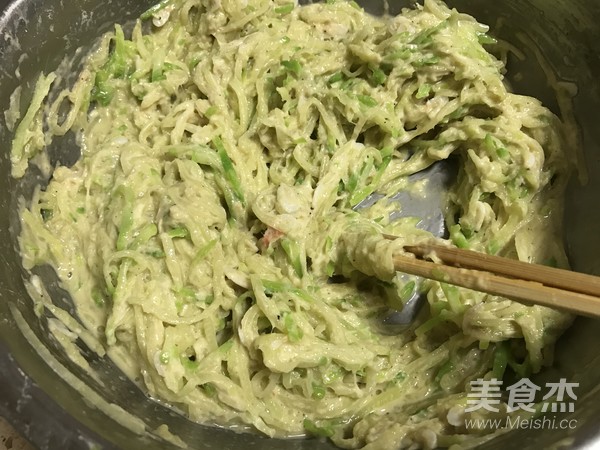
(214, 234)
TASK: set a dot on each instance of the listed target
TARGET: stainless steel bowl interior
(35, 34)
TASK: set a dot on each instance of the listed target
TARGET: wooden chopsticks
(521, 281)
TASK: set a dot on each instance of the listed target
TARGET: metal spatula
(428, 207)
(521, 281)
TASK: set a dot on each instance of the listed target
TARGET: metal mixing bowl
(50, 412)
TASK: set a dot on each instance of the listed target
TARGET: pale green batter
(223, 153)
